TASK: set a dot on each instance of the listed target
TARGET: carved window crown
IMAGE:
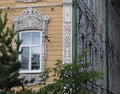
(29, 22)
(31, 19)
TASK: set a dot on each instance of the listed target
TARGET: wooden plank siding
(55, 25)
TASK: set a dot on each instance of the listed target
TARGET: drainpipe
(107, 43)
(75, 30)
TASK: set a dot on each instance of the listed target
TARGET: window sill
(32, 71)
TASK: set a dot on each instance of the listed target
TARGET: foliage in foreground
(72, 78)
(9, 64)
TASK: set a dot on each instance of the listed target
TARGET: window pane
(35, 37)
(25, 37)
(24, 64)
(25, 58)
(30, 56)
(35, 58)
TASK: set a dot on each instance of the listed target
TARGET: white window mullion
(20, 54)
(41, 50)
(20, 47)
(30, 58)
(30, 52)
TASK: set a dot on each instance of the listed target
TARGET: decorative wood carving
(31, 19)
(67, 31)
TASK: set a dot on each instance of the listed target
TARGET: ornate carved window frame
(31, 19)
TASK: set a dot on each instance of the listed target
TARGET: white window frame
(27, 1)
(29, 69)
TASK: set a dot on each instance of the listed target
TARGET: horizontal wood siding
(54, 45)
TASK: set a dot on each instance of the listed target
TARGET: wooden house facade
(45, 26)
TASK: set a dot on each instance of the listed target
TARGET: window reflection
(25, 58)
(35, 58)
(30, 47)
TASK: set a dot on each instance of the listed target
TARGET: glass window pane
(25, 52)
(24, 64)
(25, 37)
(25, 58)
(35, 58)
(30, 56)
(35, 37)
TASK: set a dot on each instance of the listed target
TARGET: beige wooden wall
(54, 46)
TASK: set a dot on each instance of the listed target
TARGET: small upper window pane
(35, 38)
(25, 37)
(30, 38)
